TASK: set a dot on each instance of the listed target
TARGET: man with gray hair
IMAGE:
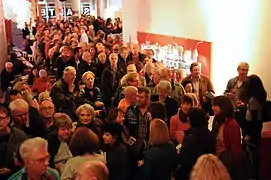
(93, 170)
(62, 92)
(7, 76)
(35, 156)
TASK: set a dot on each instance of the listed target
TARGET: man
(47, 111)
(149, 67)
(27, 120)
(201, 83)
(177, 89)
(236, 86)
(93, 170)
(36, 159)
(7, 76)
(10, 140)
(124, 61)
(62, 92)
(110, 80)
(137, 118)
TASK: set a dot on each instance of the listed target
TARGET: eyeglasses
(3, 118)
(46, 108)
(21, 115)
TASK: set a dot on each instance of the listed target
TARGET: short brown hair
(62, 120)
(84, 141)
(145, 90)
(159, 133)
(194, 64)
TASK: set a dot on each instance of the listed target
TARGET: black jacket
(117, 161)
(63, 99)
(6, 78)
(159, 162)
(197, 141)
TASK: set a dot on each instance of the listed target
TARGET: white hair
(165, 85)
(18, 104)
(86, 107)
(8, 64)
(30, 145)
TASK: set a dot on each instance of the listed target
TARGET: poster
(177, 52)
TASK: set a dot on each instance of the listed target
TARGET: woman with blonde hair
(209, 167)
(158, 162)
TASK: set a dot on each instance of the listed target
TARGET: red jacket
(40, 85)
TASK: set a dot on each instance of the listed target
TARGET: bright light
(17, 11)
(232, 25)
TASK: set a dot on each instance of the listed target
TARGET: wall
(3, 44)
(238, 30)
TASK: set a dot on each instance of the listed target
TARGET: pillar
(34, 9)
(75, 7)
(3, 41)
(100, 7)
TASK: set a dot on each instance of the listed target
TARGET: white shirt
(84, 38)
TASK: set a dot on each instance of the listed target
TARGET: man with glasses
(47, 111)
(10, 140)
(36, 160)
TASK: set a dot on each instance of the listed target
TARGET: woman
(84, 144)
(86, 117)
(171, 105)
(257, 99)
(58, 140)
(40, 84)
(34, 74)
(159, 159)
(209, 167)
(179, 123)
(116, 152)
(197, 141)
(228, 136)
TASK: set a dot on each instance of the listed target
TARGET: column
(75, 7)
(34, 9)
(100, 7)
(3, 41)
(58, 5)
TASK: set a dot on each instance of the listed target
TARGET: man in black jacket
(62, 93)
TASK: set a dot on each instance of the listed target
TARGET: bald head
(93, 170)
(9, 66)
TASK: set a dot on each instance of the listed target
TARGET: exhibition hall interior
(135, 90)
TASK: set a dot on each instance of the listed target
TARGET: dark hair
(113, 114)
(227, 111)
(114, 129)
(157, 110)
(186, 99)
(84, 141)
(187, 81)
(256, 89)
(4, 109)
(145, 90)
(194, 64)
(13, 56)
(198, 117)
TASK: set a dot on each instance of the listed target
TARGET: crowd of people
(93, 107)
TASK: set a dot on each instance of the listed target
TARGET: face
(64, 133)
(85, 117)
(217, 110)
(116, 49)
(135, 49)
(142, 99)
(243, 71)
(20, 116)
(188, 88)
(132, 96)
(114, 60)
(89, 81)
(71, 77)
(124, 54)
(65, 52)
(38, 162)
(102, 58)
(196, 71)
(4, 120)
(134, 82)
(156, 78)
(100, 47)
(162, 93)
(165, 75)
(108, 138)
(47, 109)
(92, 52)
(9, 69)
(185, 107)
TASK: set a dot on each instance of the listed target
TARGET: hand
(140, 163)
(240, 103)
(71, 87)
(98, 104)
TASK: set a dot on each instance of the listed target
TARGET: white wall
(238, 30)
